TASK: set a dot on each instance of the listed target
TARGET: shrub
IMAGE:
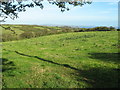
(41, 33)
(101, 29)
(0, 38)
(66, 30)
(118, 29)
(8, 37)
(27, 34)
(38, 34)
(53, 32)
(112, 28)
(81, 30)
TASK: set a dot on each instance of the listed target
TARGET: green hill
(18, 32)
(69, 60)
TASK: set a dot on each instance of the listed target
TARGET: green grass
(69, 60)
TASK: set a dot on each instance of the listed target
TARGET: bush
(38, 34)
(27, 34)
(66, 30)
(102, 29)
(8, 37)
(81, 30)
(41, 33)
(112, 28)
(53, 32)
(118, 29)
(0, 38)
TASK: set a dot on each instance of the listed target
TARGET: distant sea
(80, 26)
(74, 26)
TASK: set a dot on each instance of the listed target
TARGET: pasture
(66, 60)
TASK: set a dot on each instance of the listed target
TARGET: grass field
(69, 60)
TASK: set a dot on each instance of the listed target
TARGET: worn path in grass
(70, 60)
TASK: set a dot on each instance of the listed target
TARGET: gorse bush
(103, 29)
(66, 30)
(112, 28)
(80, 30)
(118, 29)
(95, 29)
(9, 37)
(53, 32)
(40, 33)
(27, 34)
(0, 38)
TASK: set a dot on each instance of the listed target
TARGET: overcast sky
(95, 14)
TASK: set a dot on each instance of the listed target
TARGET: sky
(95, 14)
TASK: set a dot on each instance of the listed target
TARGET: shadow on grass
(64, 65)
(99, 77)
(7, 65)
(106, 56)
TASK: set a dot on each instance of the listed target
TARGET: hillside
(68, 60)
(17, 32)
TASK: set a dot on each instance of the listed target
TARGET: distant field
(18, 32)
(30, 28)
(68, 60)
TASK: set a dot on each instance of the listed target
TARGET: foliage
(118, 29)
(27, 34)
(9, 37)
(103, 28)
(41, 33)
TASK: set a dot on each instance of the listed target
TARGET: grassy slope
(34, 31)
(13, 27)
(21, 28)
(72, 60)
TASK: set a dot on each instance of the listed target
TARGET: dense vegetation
(31, 31)
(68, 60)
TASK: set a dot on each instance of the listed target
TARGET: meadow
(64, 60)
